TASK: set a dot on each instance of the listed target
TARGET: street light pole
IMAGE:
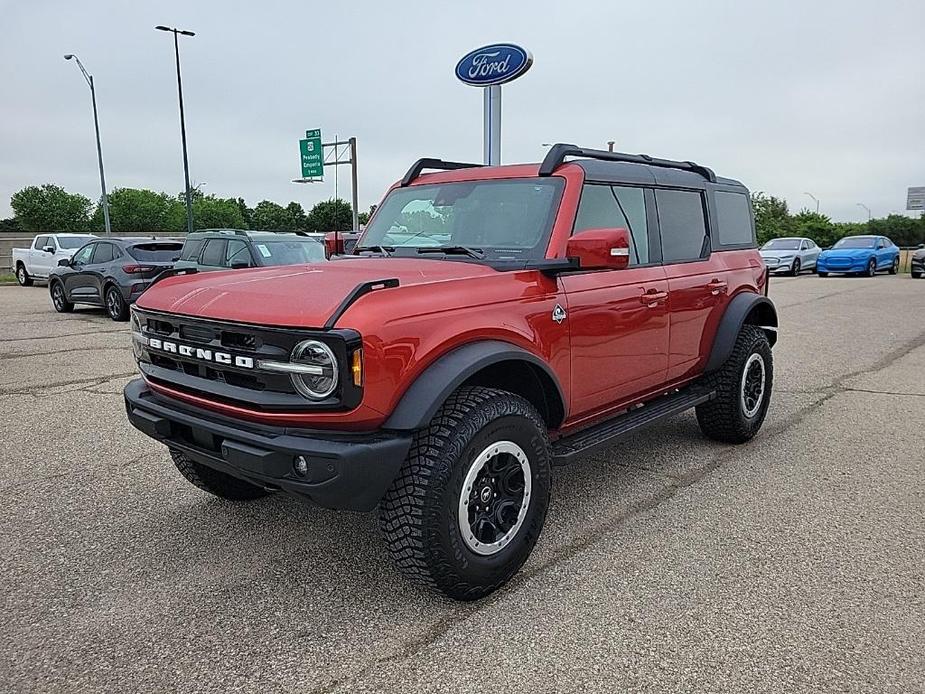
(99, 147)
(189, 195)
(869, 215)
(814, 198)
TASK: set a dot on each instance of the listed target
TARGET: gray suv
(111, 273)
(223, 249)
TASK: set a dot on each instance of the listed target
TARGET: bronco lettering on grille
(200, 353)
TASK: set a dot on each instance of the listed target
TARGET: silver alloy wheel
(21, 274)
(498, 483)
(751, 388)
(112, 302)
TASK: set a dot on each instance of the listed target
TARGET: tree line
(773, 220)
(51, 208)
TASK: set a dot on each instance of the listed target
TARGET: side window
(734, 219)
(605, 206)
(805, 245)
(881, 243)
(103, 253)
(83, 255)
(191, 249)
(40, 242)
(237, 253)
(682, 225)
(214, 253)
(50, 241)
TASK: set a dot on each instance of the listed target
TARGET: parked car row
(856, 255)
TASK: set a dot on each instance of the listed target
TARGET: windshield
(289, 251)
(507, 219)
(781, 245)
(156, 252)
(72, 241)
(855, 242)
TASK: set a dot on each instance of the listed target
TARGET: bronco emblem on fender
(558, 314)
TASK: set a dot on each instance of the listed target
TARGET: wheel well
(526, 380)
(764, 316)
(20, 264)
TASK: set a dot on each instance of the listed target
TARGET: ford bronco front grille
(222, 361)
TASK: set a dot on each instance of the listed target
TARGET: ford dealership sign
(494, 64)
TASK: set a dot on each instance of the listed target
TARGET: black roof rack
(439, 164)
(558, 152)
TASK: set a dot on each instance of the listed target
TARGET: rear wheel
(795, 268)
(871, 268)
(894, 268)
(59, 298)
(469, 502)
(115, 304)
(22, 276)
(743, 390)
(821, 273)
(215, 482)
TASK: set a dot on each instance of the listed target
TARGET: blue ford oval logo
(494, 64)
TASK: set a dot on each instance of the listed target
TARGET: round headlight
(318, 379)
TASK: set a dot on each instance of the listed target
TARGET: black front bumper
(345, 471)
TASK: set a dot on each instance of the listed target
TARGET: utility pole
(99, 147)
(189, 194)
(814, 198)
(869, 215)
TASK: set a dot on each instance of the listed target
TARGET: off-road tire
(22, 276)
(724, 418)
(795, 268)
(59, 297)
(215, 482)
(418, 515)
(894, 268)
(115, 304)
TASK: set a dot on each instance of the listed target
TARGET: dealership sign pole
(489, 67)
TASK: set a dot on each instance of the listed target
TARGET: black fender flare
(437, 382)
(757, 310)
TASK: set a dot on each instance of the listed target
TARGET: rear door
(618, 319)
(92, 275)
(698, 281)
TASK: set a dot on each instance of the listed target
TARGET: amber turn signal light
(356, 367)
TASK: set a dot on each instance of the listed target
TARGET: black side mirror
(64, 262)
(49, 249)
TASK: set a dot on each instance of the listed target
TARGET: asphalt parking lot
(669, 563)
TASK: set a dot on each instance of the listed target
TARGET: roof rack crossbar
(437, 164)
(558, 152)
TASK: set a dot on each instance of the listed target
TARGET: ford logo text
(200, 353)
(495, 64)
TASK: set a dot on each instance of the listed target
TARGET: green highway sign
(312, 154)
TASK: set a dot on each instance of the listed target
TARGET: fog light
(301, 465)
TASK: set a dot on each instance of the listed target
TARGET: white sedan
(790, 254)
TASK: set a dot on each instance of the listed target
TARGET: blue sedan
(859, 255)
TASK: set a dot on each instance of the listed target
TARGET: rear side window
(156, 252)
(214, 253)
(103, 253)
(608, 207)
(733, 219)
(191, 249)
(682, 225)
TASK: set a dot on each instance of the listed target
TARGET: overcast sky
(788, 97)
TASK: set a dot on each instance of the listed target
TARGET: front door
(617, 319)
(75, 281)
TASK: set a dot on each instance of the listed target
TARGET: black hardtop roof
(625, 172)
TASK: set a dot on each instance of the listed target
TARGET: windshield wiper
(454, 250)
(384, 250)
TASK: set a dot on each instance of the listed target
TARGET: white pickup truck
(37, 261)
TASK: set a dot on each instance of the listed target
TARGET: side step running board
(568, 448)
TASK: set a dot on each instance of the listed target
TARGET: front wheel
(743, 390)
(894, 268)
(822, 273)
(469, 502)
(795, 269)
(59, 298)
(115, 304)
(872, 268)
(22, 276)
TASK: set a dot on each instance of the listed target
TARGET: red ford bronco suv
(490, 323)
